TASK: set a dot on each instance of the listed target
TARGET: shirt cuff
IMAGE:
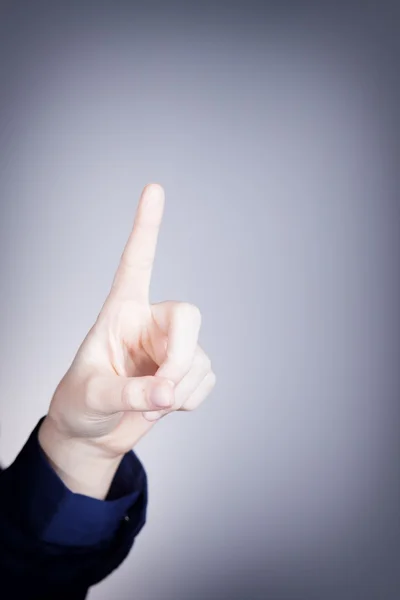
(52, 513)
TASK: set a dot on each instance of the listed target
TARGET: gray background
(273, 129)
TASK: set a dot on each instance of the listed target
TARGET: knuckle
(191, 310)
(179, 365)
(198, 359)
(126, 397)
(212, 379)
(202, 362)
(135, 393)
(207, 363)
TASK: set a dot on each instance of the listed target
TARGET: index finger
(133, 275)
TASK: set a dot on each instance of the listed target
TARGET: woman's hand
(138, 362)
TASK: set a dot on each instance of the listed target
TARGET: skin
(138, 362)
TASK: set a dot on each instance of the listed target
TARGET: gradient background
(273, 128)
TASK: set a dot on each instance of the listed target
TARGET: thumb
(114, 394)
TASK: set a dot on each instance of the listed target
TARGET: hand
(138, 362)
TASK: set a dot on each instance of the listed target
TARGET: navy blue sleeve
(56, 543)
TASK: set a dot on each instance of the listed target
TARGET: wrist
(79, 464)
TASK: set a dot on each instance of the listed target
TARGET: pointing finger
(133, 275)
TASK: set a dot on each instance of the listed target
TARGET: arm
(54, 541)
(62, 500)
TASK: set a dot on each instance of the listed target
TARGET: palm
(132, 347)
(129, 347)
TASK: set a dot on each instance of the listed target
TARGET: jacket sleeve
(55, 543)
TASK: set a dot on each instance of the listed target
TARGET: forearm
(79, 464)
(56, 543)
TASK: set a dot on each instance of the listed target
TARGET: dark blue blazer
(54, 543)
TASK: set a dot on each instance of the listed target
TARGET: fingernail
(161, 395)
(152, 415)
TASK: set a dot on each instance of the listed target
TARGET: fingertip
(154, 189)
(161, 394)
(153, 415)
